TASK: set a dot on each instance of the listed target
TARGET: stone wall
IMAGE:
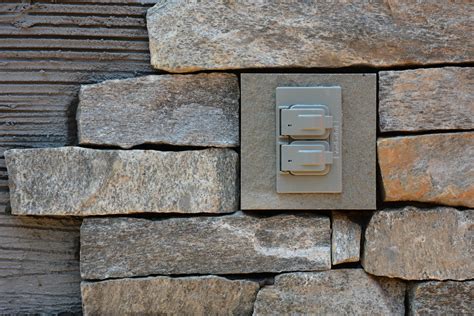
(155, 174)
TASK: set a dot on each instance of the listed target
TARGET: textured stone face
(123, 247)
(434, 168)
(335, 292)
(441, 298)
(426, 99)
(192, 35)
(207, 295)
(420, 244)
(194, 110)
(83, 182)
(345, 239)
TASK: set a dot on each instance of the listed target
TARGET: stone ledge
(189, 110)
(84, 182)
(233, 244)
(191, 36)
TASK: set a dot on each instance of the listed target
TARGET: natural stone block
(234, 244)
(435, 168)
(39, 264)
(258, 143)
(420, 244)
(83, 182)
(335, 292)
(441, 298)
(426, 99)
(208, 295)
(346, 234)
(189, 36)
(192, 110)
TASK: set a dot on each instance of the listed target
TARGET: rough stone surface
(441, 298)
(234, 244)
(346, 234)
(194, 110)
(83, 182)
(39, 266)
(426, 99)
(436, 168)
(207, 295)
(258, 154)
(335, 292)
(193, 35)
(420, 244)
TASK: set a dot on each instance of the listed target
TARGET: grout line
(424, 132)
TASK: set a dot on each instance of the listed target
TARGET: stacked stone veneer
(164, 233)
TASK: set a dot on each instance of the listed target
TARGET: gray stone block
(193, 110)
(420, 244)
(258, 154)
(346, 236)
(232, 244)
(189, 36)
(334, 292)
(79, 181)
(426, 99)
(441, 298)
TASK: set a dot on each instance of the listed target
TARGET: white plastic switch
(306, 121)
(306, 158)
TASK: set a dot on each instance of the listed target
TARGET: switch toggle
(306, 121)
(306, 158)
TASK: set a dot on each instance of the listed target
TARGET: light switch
(306, 121)
(306, 158)
(308, 139)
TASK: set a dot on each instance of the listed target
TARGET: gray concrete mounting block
(259, 150)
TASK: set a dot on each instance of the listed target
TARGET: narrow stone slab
(426, 99)
(346, 234)
(208, 295)
(335, 292)
(441, 298)
(39, 264)
(420, 244)
(193, 110)
(189, 36)
(435, 168)
(235, 244)
(83, 182)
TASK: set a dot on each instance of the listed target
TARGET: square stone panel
(258, 147)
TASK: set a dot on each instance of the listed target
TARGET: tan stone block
(436, 168)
